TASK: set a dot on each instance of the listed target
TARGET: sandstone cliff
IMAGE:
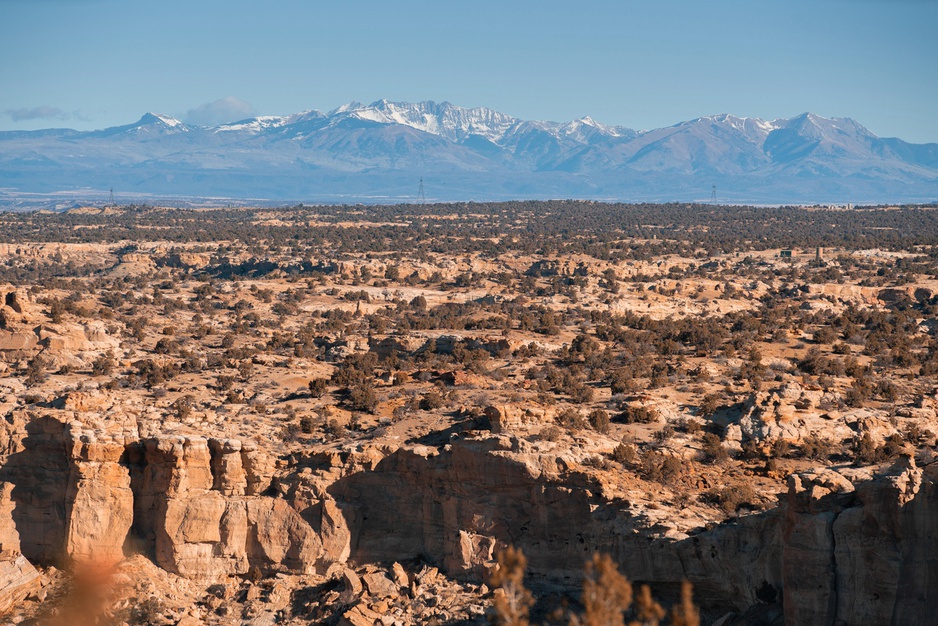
(843, 547)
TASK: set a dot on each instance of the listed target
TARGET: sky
(90, 64)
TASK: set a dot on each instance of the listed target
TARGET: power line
(713, 195)
(421, 196)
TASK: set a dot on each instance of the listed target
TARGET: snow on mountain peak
(474, 152)
(169, 121)
(575, 129)
(756, 129)
(254, 124)
(354, 105)
(443, 119)
(458, 124)
(153, 122)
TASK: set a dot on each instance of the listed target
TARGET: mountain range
(389, 151)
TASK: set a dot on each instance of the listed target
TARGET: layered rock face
(199, 501)
(14, 336)
(458, 505)
(863, 552)
(75, 495)
(98, 499)
(842, 548)
(37, 474)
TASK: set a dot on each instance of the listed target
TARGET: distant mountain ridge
(379, 152)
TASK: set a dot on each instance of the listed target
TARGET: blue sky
(643, 64)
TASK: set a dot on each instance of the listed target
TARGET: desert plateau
(349, 415)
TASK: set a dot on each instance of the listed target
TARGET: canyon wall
(841, 548)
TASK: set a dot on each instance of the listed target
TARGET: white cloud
(44, 112)
(228, 109)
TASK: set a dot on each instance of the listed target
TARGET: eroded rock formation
(70, 494)
(864, 551)
(843, 547)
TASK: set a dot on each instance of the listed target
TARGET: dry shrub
(647, 611)
(712, 448)
(607, 594)
(817, 448)
(512, 600)
(550, 433)
(685, 613)
(625, 453)
(730, 499)
(637, 415)
(571, 419)
(661, 467)
(599, 420)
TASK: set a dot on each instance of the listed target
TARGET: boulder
(65, 339)
(351, 586)
(771, 415)
(18, 579)
(379, 585)
(360, 616)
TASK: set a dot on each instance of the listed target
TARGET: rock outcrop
(862, 552)
(17, 340)
(72, 494)
(843, 547)
(458, 505)
(510, 417)
(98, 500)
(198, 506)
(794, 413)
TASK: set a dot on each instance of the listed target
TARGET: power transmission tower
(421, 196)
(110, 200)
(713, 195)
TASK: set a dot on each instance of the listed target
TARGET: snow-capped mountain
(379, 152)
(150, 125)
(444, 119)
